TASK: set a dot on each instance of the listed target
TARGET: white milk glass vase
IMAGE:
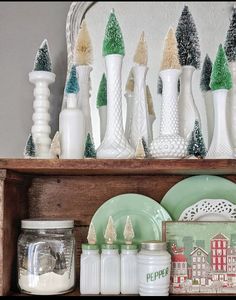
(129, 112)
(188, 112)
(221, 146)
(140, 126)
(169, 144)
(83, 72)
(103, 121)
(231, 111)
(72, 130)
(209, 113)
(41, 117)
(114, 144)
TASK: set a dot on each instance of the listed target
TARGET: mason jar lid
(47, 224)
(129, 247)
(90, 247)
(153, 245)
(110, 246)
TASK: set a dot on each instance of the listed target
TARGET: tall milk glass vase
(232, 106)
(221, 146)
(114, 144)
(41, 117)
(188, 112)
(169, 144)
(72, 130)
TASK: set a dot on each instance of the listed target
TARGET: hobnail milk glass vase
(231, 109)
(169, 144)
(41, 129)
(103, 121)
(140, 126)
(221, 146)
(114, 144)
(188, 112)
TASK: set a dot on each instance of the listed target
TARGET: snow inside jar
(46, 257)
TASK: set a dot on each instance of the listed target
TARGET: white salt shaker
(129, 277)
(90, 270)
(110, 269)
(154, 264)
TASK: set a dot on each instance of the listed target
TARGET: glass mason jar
(154, 264)
(46, 257)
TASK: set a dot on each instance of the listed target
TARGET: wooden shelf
(120, 166)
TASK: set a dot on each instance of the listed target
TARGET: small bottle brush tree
(89, 151)
(220, 77)
(72, 86)
(29, 150)
(187, 39)
(145, 148)
(141, 54)
(206, 74)
(230, 43)
(102, 92)
(196, 145)
(43, 59)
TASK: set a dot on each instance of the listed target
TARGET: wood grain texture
(120, 166)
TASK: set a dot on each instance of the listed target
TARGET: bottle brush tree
(29, 150)
(220, 76)
(146, 149)
(83, 47)
(102, 92)
(206, 74)
(188, 42)
(42, 60)
(230, 43)
(129, 87)
(141, 53)
(170, 59)
(72, 85)
(196, 145)
(89, 151)
(113, 42)
(150, 102)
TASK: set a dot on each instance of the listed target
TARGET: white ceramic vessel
(41, 117)
(110, 270)
(72, 130)
(140, 126)
(114, 144)
(209, 113)
(90, 270)
(221, 146)
(129, 113)
(188, 112)
(83, 72)
(103, 121)
(129, 278)
(169, 144)
(231, 107)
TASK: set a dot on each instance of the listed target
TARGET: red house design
(219, 245)
(179, 271)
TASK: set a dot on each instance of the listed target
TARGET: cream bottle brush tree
(169, 144)
(189, 57)
(83, 59)
(151, 112)
(230, 50)
(129, 95)
(128, 231)
(114, 144)
(140, 125)
(110, 234)
(221, 82)
(42, 76)
(102, 105)
(92, 237)
(207, 94)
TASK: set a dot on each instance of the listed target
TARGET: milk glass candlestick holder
(140, 126)
(114, 144)
(42, 77)
(169, 144)
(221, 82)
(83, 56)
(102, 105)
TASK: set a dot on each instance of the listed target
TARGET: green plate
(189, 191)
(145, 213)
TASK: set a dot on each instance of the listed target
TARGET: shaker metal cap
(47, 224)
(153, 245)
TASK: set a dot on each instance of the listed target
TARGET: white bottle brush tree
(169, 144)
(114, 144)
(42, 76)
(83, 60)
(230, 51)
(102, 105)
(207, 94)
(189, 58)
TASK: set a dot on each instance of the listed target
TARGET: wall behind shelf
(23, 26)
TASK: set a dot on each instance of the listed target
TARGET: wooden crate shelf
(75, 189)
